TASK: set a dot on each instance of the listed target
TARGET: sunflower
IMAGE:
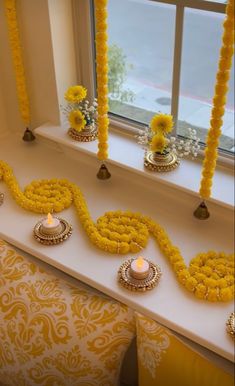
(77, 120)
(75, 94)
(162, 123)
(158, 143)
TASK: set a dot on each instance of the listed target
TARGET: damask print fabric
(164, 360)
(53, 333)
(58, 332)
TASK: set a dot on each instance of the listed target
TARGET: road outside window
(141, 51)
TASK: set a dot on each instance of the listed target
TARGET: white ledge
(169, 303)
(126, 153)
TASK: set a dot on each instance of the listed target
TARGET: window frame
(85, 56)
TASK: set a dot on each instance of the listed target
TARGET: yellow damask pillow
(164, 360)
(54, 333)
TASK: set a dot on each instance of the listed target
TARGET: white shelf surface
(169, 303)
(127, 154)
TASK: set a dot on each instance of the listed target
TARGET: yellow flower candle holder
(143, 279)
(52, 230)
(158, 157)
(161, 162)
(88, 134)
(81, 114)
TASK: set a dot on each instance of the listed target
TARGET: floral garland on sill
(13, 31)
(209, 276)
(219, 100)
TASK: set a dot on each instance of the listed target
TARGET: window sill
(125, 153)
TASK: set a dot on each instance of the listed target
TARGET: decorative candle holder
(157, 162)
(88, 134)
(230, 325)
(128, 279)
(61, 232)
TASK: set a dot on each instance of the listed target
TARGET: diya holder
(86, 135)
(164, 162)
(142, 281)
(52, 233)
(230, 325)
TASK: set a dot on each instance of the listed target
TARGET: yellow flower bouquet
(156, 138)
(81, 115)
(162, 150)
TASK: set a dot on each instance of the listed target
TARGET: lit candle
(51, 225)
(139, 268)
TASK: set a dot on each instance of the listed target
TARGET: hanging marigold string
(14, 38)
(102, 77)
(219, 101)
(209, 276)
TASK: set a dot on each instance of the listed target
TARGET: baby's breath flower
(75, 96)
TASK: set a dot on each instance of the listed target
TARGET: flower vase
(161, 162)
(88, 134)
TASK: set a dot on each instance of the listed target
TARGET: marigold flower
(162, 123)
(102, 109)
(191, 283)
(75, 94)
(223, 76)
(226, 294)
(212, 294)
(200, 291)
(226, 52)
(225, 64)
(158, 143)
(77, 120)
(219, 100)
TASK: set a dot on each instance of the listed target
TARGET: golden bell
(201, 212)
(103, 173)
(28, 136)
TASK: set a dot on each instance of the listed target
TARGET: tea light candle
(139, 268)
(51, 225)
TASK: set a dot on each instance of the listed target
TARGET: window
(163, 56)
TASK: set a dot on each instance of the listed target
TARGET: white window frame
(85, 55)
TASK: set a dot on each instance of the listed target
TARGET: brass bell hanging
(28, 135)
(103, 173)
(201, 212)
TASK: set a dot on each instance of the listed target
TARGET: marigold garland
(210, 275)
(22, 94)
(102, 77)
(219, 100)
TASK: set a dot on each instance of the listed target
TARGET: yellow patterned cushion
(164, 360)
(55, 333)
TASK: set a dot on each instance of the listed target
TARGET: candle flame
(49, 219)
(140, 262)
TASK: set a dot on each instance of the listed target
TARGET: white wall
(48, 52)
(62, 35)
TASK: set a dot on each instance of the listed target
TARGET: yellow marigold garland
(10, 8)
(102, 77)
(210, 275)
(219, 100)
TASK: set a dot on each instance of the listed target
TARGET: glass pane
(141, 44)
(201, 46)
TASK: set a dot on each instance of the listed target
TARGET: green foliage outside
(117, 73)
